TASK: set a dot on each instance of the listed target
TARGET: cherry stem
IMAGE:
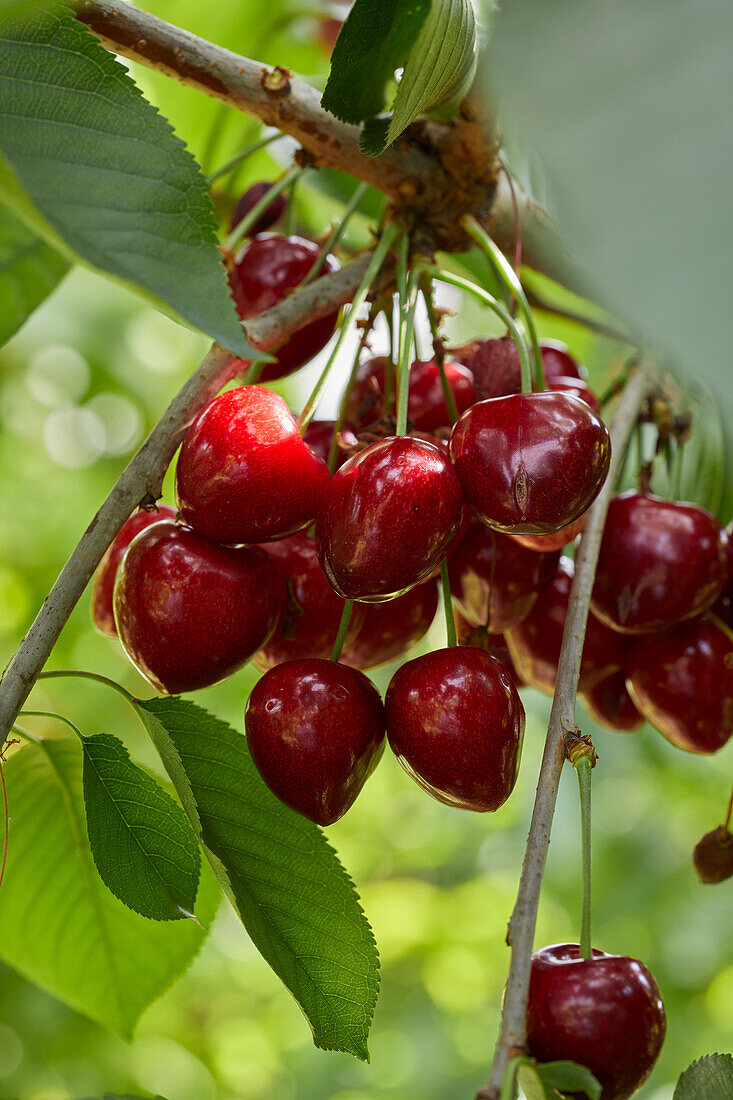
(52, 714)
(337, 232)
(517, 228)
(88, 676)
(254, 372)
(242, 228)
(407, 327)
(242, 156)
(729, 812)
(338, 645)
(338, 427)
(450, 619)
(359, 298)
(439, 350)
(6, 822)
(292, 206)
(584, 766)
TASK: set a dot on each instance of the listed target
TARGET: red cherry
(576, 387)
(455, 723)
(610, 704)
(557, 362)
(318, 436)
(312, 611)
(535, 642)
(495, 367)
(530, 463)
(315, 730)
(547, 543)
(605, 1013)
(494, 580)
(244, 474)
(265, 270)
(426, 407)
(190, 613)
(103, 618)
(682, 682)
(480, 638)
(390, 629)
(249, 200)
(388, 517)
(660, 562)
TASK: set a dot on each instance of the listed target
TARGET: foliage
(709, 1078)
(29, 271)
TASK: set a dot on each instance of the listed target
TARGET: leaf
(546, 1080)
(283, 878)
(29, 271)
(141, 841)
(709, 1078)
(60, 927)
(91, 166)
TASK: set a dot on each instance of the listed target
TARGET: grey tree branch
(521, 931)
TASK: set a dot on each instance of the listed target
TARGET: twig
(520, 935)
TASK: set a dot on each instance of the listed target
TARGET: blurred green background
(79, 387)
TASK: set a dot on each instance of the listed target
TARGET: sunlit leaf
(29, 271)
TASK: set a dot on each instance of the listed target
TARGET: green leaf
(60, 927)
(29, 271)
(283, 878)
(547, 1080)
(91, 166)
(710, 1078)
(141, 841)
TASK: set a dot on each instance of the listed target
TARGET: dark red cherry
(610, 704)
(682, 682)
(388, 517)
(426, 407)
(535, 642)
(605, 1013)
(318, 436)
(576, 387)
(660, 562)
(531, 463)
(723, 607)
(265, 270)
(389, 629)
(713, 856)
(315, 730)
(557, 362)
(249, 200)
(496, 371)
(455, 723)
(312, 610)
(494, 580)
(103, 618)
(190, 613)
(548, 543)
(244, 473)
(481, 638)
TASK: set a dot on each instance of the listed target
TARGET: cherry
(723, 608)
(249, 200)
(610, 704)
(189, 613)
(576, 387)
(660, 562)
(312, 611)
(495, 367)
(481, 638)
(390, 629)
(713, 856)
(103, 618)
(315, 730)
(244, 474)
(535, 643)
(530, 463)
(605, 1013)
(557, 362)
(388, 517)
(494, 580)
(547, 543)
(426, 407)
(264, 271)
(318, 436)
(683, 685)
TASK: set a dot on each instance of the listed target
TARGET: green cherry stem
(729, 812)
(450, 619)
(337, 232)
(583, 758)
(439, 349)
(254, 372)
(338, 645)
(243, 155)
(6, 822)
(52, 714)
(344, 403)
(88, 676)
(407, 326)
(242, 229)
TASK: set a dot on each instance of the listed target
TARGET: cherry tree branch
(521, 931)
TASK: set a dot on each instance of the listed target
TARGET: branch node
(579, 747)
(276, 82)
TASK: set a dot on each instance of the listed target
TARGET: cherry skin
(390, 629)
(713, 856)
(312, 611)
(455, 723)
(576, 387)
(723, 607)
(610, 704)
(495, 580)
(557, 362)
(530, 463)
(388, 517)
(547, 543)
(481, 638)
(249, 200)
(682, 682)
(190, 613)
(426, 407)
(315, 730)
(660, 562)
(265, 270)
(318, 436)
(535, 642)
(605, 1013)
(495, 367)
(244, 473)
(103, 617)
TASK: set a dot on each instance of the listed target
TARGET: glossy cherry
(605, 1013)
(481, 638)
(265, 270)
(660, 562)
(548, 543)
(456, 723)
(682, 682)
(495, 580)
(312, 610)
(315, 730)
(535, 643)
(244, 473)
(557, 362)
(188, 612)
(249, 200)
(426, 407)
(388, 517)
(318, 436)
(389, 629)
(103, 617)
(530, 463)
(610, 704)
(494, 364)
